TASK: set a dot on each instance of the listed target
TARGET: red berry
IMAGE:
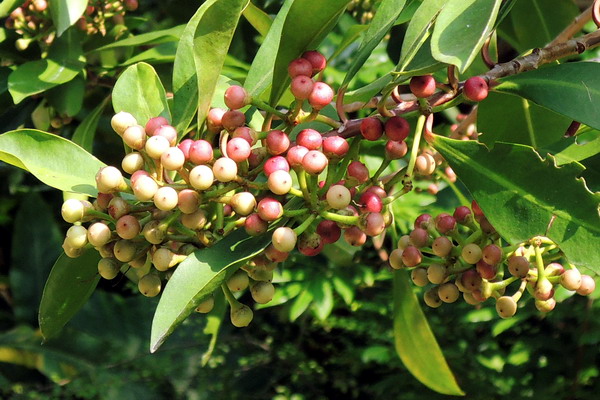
(310, 244)
(419, 237)
(492, 254)
(445, 223)
(371, 128)
(300, 66)
(475, 88)
(358, 171)
(321, 95)
(354, 236)
(233, 119)
(316, 59)
(397, 128)
(335, 147)
(245, 133)
(238, 149)
(236, 97)
(330, 232)
(422, 221)
(370, 202)
(372, 223)
(395, 150)
(310, 139)
(314, 162)
(422, 86)
(277, 142)
(301, 87)
(254, 225)
(377, 190)
(154, 123)
(277, 163)
(295, 155)
(462, 214)
(214, 119)
(269, 209)
(168, 132)
(486, 270)
(201, 152)
(257, 155)
(411, 256)
(185, 146)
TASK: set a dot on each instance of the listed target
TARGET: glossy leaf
(552, 200)
(56, 161)
(261, 72)
(68, 97)
(387, 13)
(86, 130)
(214, 319)
(575, 148)
(145, 39)
(419, 29)
(415, 343)
(65, 13)
(570, 89)
(322, 293)
(344, 287)
(163, 53)
(70, 284)
(64, 62)
(36, 243)
(351, 35)
(528, 124)
(300, 304)
(197, 277)
(260, 20)
(140, 92)
(200, 57)
(461, 29)
(305, 25)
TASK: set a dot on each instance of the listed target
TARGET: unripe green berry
(166, 198)
(206, 305)
(238, 281)
(243, 203)
(262, 292)
(121, 121)
(132, 162)
(506, 306)
(195, 221)
(448, 292)
(436, 273)
(571, 279)
(241, 316)
(108, 268)
(149, 285)
(262, 275)
(338, 197)
(124, 250)
(545, 305)
(76, 237)
(98, 234)
(71, 252)
(201, 177)
(395, 259)
(152, 233)
(404, 242)
(225, 169)
(135, 137)
(471, 253)
(145, 188)
(431, 298)
(419, 276)
(72, 210)
(284, 239)
(110, 180)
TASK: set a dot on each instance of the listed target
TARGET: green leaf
(197, 277)
(419, 30)
(305, 25)
(570, 89)
(322, 294)
(7, 6)
(36, 243)
(300, 304)
(56, 161)
(528, 124)
(461, 29)
(200, 57)
(344, 287)
(70, 284)
(415, 342)
(214, 319)
(65, 13)
(68, 97)
(140, 92)
(261, 71)
(537, 22)
(534, 199)
(260, 20)
(163, 53)
(387, 13)
(86, 131)
(575, 148)
(350, 36)
(64, 62)
(145, 39)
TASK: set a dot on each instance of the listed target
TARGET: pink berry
(310, 244)
(128, 227)
(257, 156)
(154, 123)
(358, 171)
(462, 214)
(314, 162)
(321, 95)
(236, 97)
(371, 128)
(269, 209)
(277, 142)
(214, 119)
(411, 256)
(354, 236)
(201, 152)
(238, 149)
(397, 128)
(300, 66)
(295, 155)
(335, 147)
(422, 86)
(185, 146)
(277, 163)
(233, 119)
(395, 150)
(246, 133)
(475, 88)
(316, 59)
(254, 225)
(168, 132)
(486, 270)
(372, 223)
(377, 190)
(310, 139)
(301, 87)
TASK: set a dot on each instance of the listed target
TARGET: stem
(301, 174)
(169, 220)
(382, 167)
(519, 293)
(344, 219)
(415, 146)
(233, 303)
(296, 192)
(296, 213)
(264, 106)
(219, 213)
(398, 176)
(328, 121)
(302, 227)
(314, 190)
(539, 262)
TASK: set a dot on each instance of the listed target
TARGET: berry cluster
(462, 253)
(32, 20)
(188, 194)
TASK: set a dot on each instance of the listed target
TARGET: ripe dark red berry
(370, 202)
(422, 86)
(397, 128)
(316, 59)
(462, 214)
(358, 171)
(422, 221)
(475, 88)
(330, 232)
(335, 147)
(371, 128)
(300, 66)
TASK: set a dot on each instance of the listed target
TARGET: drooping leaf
(415, 343)
(528, 124)
(70, 284)
(261, 72)
(385, 16)
(140, 92)
(36, 243)
(200, 57)
(461, 29)
(68, 97)
(197, 277)
(64, 62)
(419, 30)
(305, 25)
(56, 161)
(260, 20)
(570, 89)
(534, 199)
(65, 13)
(86, 131)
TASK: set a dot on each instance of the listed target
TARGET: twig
(573, 27)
